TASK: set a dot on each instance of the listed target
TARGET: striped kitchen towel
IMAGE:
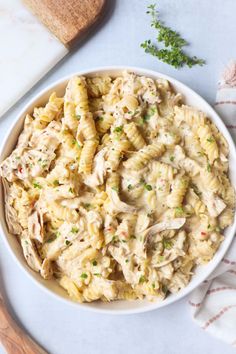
(213, 303)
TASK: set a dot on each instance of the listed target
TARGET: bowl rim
(210, 267)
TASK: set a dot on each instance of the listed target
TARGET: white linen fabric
(213, 303)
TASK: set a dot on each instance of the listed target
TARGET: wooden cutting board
(35, 35)
(68, 20)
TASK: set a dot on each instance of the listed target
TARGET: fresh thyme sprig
(172, 54)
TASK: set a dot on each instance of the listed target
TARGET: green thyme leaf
(148, 187)
(179, 211)
(84, 276)
(210, 139)
(37, 185)
(172, 41)
(118, 129)
(74, 230)
(167, 244)
(56, 182)
(142, 279)
(208, 167)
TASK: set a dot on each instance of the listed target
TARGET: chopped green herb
(172, 53)
(126, 261)
(100, 119)
(71, 190)
(208, 167)
(172, 158)
(167, 244)
(37, 185)
(114, 189)
(153, 285)
(97, 274)
(114, 239)
(179, 211)
(94, 263)
(209, 226)
(118, 129)
(124, 241)
(130, 187)
(74, 230)
(68, 243)
(87, 205)
(145, 118)
(210, 139)
(148, 187)
(161, 258)
(142, 279)
(78, 116)
(84, 276)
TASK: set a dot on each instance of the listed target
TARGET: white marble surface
(211, 27)
(28, 51)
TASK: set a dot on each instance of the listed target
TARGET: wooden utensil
(13, 338)
(69, 20)
(29, 50)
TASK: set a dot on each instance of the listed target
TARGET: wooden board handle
(13, 338)
(68, 20)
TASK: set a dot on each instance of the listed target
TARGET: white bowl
(115, 307)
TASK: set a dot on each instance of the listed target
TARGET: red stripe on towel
(225, 102)
(217, 316)
(216, 290)
(227, 261)
(193, 304)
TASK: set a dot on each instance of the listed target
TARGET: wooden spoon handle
(13, 338)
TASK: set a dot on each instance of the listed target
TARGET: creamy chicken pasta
(117, 189)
